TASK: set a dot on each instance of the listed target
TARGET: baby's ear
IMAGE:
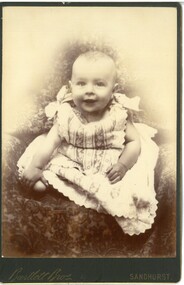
(69, 85)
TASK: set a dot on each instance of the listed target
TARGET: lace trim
(78, 196)
(131, 223)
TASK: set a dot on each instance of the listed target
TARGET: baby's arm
(33, 172)
(128, 157)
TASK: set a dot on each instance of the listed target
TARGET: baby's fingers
(115, 180)
(112, 175)
(23, 179)
(27, 184)
(115, 177)
(108, 169)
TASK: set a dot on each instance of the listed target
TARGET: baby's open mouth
(89, 101)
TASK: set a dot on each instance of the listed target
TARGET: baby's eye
(80, 83)
(100, 84)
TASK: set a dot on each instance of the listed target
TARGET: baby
(94, 154)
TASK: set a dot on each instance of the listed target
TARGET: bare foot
(39, 186)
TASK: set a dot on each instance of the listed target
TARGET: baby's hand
(116, 172)
(31, 175)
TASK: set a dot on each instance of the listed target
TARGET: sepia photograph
(90, 136)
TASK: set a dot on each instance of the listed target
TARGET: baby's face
(92, 84)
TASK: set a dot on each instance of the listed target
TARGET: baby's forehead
(100, 63)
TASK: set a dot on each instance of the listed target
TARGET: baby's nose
(89, 89)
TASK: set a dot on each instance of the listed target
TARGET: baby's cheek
(78, 99)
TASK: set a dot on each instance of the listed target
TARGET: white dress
(77, 168)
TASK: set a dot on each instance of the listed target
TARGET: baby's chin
(93, 107)
(91, 110)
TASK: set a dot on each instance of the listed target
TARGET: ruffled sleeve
(126, 102)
